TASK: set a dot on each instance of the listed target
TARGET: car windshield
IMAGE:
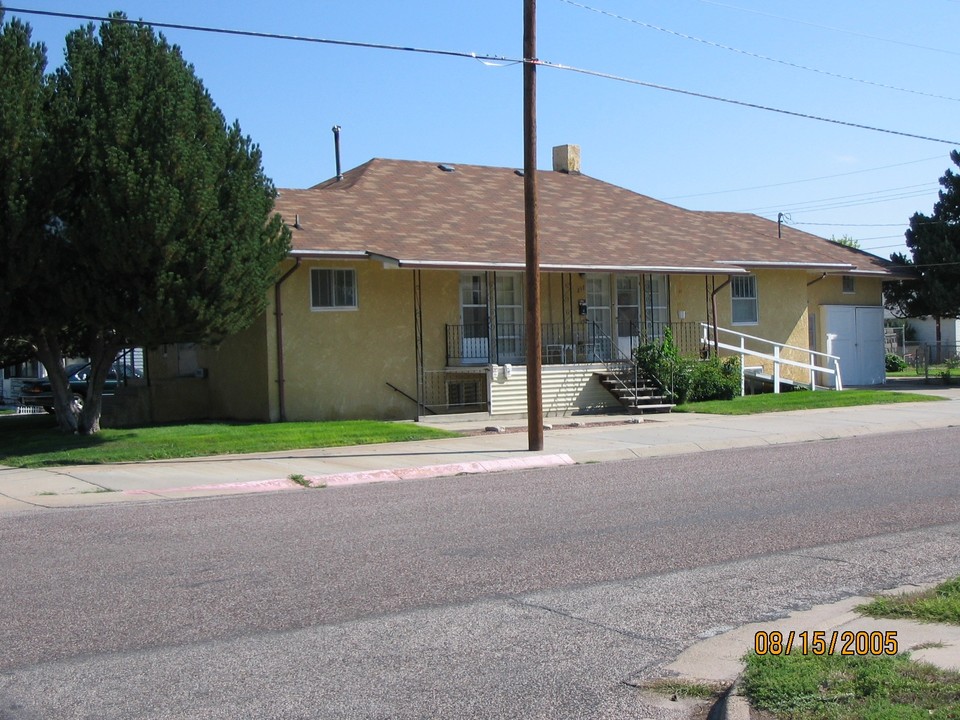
(78, 371)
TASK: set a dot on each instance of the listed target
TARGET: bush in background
(895, 363)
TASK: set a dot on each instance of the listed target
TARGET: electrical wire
(832, 29)
(265, 35)
(842, 205)
(852, 224)
(754, 55)
(805, 180)
(741, 103)
(797, 205)
(490, 58)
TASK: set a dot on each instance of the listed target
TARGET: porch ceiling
(418, 215)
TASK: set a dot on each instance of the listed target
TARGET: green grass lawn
(34, 441)
(807, 687)
(940, 604)
(801, 400)
(934, 373)
(909, 372)
(837, 687)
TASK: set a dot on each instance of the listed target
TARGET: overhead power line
(483, 58)
(756, 56)
(804, 180)
(741, 103)
(262, 35)
(848, 204)
(836, 198)
(853, 224)
(832, 29)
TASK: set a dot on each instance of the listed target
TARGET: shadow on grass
(27, 435)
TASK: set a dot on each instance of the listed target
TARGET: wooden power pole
(532, 228)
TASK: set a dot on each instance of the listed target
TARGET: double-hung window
(744, 291)
(333, 289)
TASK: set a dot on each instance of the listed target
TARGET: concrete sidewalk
(568, 440)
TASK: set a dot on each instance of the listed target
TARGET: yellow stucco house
(403, 296)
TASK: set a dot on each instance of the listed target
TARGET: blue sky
(701, 154)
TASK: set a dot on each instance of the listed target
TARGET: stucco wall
(338, 362)
(781, 318)
(688, 294)
(235, 385)
(440, 306)
(829, 291)
(238, 372)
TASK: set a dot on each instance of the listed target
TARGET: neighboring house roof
(416, 214)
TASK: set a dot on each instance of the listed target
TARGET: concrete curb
(252, 486)
(734, 705)
(364, 477)
(434, 471)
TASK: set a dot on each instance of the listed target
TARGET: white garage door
(859, 342)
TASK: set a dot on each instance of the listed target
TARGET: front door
(597, 346)
(510, 317)
(628, 313)
(474, 318)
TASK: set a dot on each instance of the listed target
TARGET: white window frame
(848, 285)
(338, 277)
(740, 285)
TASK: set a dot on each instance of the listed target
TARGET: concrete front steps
(642, 397)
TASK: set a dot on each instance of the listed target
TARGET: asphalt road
(542, 594)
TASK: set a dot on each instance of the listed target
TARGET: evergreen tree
(934, 244)
(22, 198)
(162, 227)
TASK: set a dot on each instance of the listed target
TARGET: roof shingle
(420, 215)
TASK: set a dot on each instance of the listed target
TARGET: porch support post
(531, 227)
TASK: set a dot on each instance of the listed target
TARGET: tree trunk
(49, 353)
(102, 355)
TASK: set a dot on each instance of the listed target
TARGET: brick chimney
(566, 159)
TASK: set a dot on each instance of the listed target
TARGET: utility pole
(532, 228)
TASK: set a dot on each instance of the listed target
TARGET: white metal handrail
(744, 351)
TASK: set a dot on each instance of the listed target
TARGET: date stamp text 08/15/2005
(819, 642)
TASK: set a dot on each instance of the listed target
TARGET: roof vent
(519, 173)
(446, 168)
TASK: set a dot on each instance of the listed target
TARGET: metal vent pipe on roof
(336, 150)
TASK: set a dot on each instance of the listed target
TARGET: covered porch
(577, 343)
(592, 324)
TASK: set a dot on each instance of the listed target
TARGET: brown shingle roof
(420, 215)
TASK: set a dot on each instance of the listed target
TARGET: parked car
(39, 392)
